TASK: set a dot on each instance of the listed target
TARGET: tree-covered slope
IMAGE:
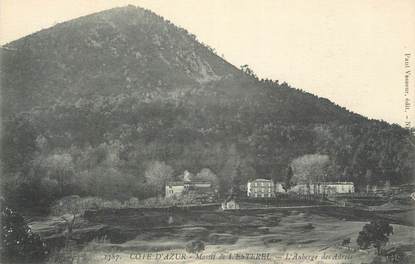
(102, 104)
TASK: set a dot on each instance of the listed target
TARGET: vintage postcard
(207, 131)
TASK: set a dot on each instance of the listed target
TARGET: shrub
(376, 233)
(195, 246)
(19, 243)
(133, 202)
(346, 241)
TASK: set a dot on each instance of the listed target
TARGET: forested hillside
(113, 104)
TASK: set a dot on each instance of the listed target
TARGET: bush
(195, 246)
(133, 202)
(346, 241)
(376, 233)
(19, 244)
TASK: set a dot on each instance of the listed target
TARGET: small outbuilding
(230, 204)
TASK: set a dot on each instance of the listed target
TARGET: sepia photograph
(207, 131)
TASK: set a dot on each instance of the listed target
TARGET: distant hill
(99, 99)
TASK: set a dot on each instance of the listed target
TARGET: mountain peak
(118, 90)
(118, 50)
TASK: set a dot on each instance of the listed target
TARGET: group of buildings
(263, 188)
(204, 191)
(195, 190)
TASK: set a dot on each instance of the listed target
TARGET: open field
(310, 232)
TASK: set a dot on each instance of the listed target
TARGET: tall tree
(157, 174)
(288, 183)
(61, 168)
(18, 143)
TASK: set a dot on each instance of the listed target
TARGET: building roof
(230, 201)
(200, 182)
(322, 183)
(230, 198)
(175, 183)
(337, 183)
(201, 190)
(182, 183)
(261, 180)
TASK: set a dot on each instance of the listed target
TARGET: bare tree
(70, 209)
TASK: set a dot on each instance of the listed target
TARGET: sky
(351, 52)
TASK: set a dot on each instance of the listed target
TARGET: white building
(307, 188)
(338, 187)
(175, 189)
(178, 188)
(261, 188)
(318, 188)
